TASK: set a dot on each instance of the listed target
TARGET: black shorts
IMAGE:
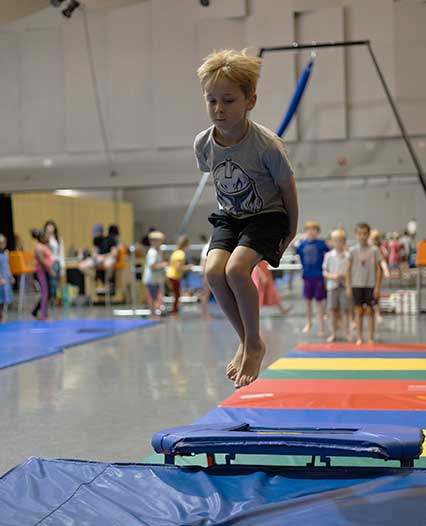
(363, 296)
(262, 232)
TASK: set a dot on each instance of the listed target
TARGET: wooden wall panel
(75, 217)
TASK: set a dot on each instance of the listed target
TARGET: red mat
(395, 347)
(398, 395)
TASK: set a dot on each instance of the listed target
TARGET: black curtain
(6, 220)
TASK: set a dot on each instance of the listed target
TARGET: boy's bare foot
(235, 364)
(285, 310)
(250, 365)
(359, 341)
(331, 338)
(306, 328)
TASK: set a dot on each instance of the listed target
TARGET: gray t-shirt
(153, 276)
(335, 263)
(246, 175)
(364, 265)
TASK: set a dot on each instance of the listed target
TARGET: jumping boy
(363, 279)
(256, 194)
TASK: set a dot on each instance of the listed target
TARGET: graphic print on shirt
(236, 191)
(310, 254)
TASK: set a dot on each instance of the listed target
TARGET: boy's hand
(2, 281)
(376, 293)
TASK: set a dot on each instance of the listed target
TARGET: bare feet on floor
(331, 338)
(250, 365)
(306, 328)
(359, 341)
(235, 364)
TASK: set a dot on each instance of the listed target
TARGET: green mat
(306, 374)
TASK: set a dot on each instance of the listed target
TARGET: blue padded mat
(65, 492)
(23, 341)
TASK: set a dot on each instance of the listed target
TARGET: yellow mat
(352, 364)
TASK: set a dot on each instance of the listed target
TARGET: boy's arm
(289, 197)
(378, 280)
(325, 272)
(348, 278)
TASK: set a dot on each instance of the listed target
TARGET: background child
(396, 255)
(177, 268)
(311, 252)
(6, 294)
(363, 280)
(334, 268)
(256, 194)
(376, 240)
(268, 293)
(154, 274)
(44, 271)
(56, 246)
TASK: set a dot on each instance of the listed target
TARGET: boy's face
(338, 242)
(362, 235)
(227, 106)
(311, 233)
(156, 243)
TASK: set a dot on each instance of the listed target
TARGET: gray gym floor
(104, 400)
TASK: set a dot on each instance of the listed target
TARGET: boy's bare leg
(370, 315)
(320, 315)
(359, 313)
(215, 275)
(238, 275)
(332, 337)
(308, 325)
(346, 325)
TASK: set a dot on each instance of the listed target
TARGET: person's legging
(175, 283)
(43, 279)
(53, 280)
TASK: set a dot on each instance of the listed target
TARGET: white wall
(386, 206)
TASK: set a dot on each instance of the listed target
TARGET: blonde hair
(312, 224)
(182, 242)
(156, 235)
(338, 233)
(375, 236)
(236, 66)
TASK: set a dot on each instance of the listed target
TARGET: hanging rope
(95, 84)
